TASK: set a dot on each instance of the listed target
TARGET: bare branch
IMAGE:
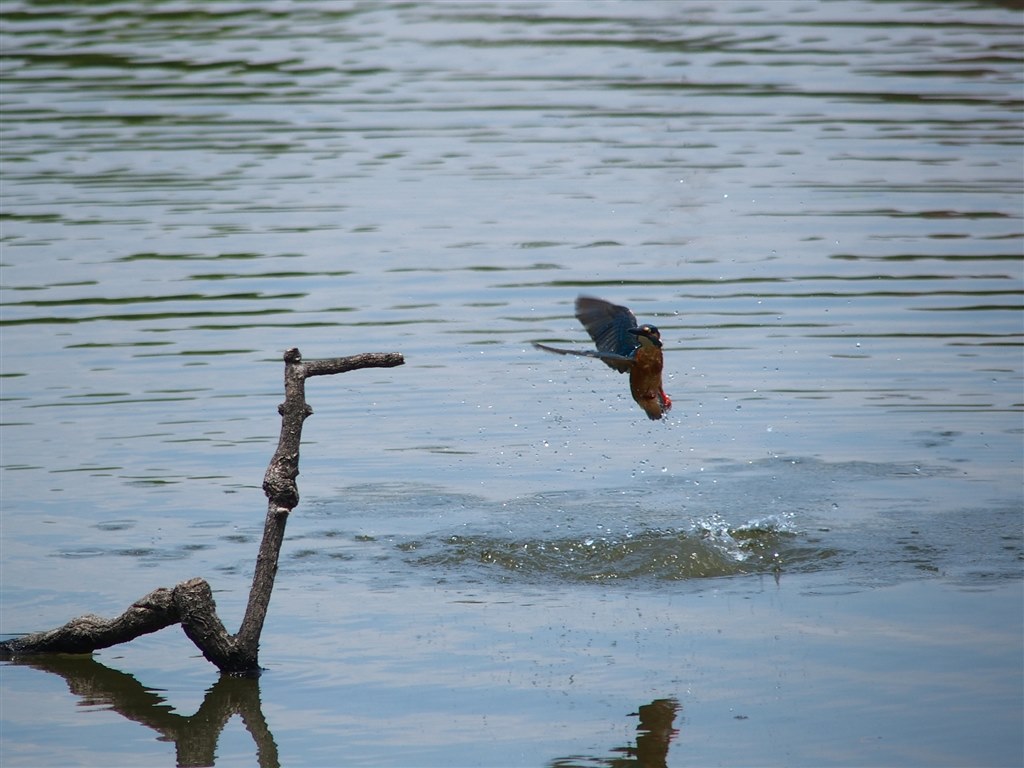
(90, 632)
(191, 603)
(331, 365)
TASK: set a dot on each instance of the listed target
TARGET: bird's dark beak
(640, 332)
(646, 333)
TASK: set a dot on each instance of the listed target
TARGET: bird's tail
(557, 351)
(618, 362)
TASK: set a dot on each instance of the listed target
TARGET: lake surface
(815, 559)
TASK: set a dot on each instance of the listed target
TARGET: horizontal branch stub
(331, 365)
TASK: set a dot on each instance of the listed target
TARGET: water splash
(709, 549)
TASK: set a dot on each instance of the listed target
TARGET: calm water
(816, 560)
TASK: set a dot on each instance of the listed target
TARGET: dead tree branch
(191, 603)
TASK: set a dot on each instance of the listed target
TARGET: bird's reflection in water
(655, 732)
(654, 736)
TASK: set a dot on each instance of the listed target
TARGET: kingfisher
(626, 346)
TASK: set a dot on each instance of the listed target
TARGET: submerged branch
(191, 603)
(91, 633)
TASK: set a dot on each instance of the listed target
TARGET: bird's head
(647, 336)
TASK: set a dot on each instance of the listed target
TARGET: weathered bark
(191, 603)
(90, 633)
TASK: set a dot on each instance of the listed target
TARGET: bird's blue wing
(608, 325)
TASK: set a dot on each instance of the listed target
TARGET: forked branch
(191, 603)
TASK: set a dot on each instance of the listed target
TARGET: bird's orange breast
(645, 382)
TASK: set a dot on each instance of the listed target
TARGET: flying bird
(626, 346)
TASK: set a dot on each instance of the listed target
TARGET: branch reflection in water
(194, 736)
